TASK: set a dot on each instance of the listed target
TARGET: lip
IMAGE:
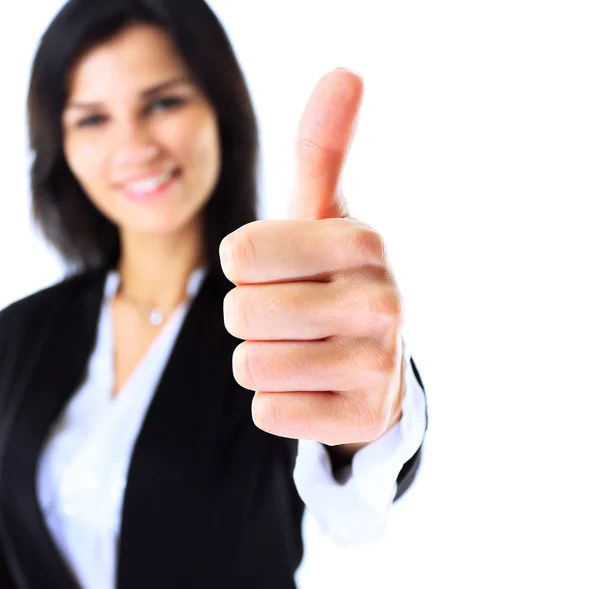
(145, 176)
(151, 194)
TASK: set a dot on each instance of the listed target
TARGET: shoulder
(30, 309)
(26, 323)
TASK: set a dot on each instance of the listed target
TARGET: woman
(129, 456)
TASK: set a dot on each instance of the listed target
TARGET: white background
(478, 159)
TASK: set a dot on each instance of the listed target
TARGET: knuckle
(376, 365)
(385, 306)
(378, 415)
(370, 419)
(229, 311)
(265, 411)
(386, 364)
(237, 252)
(369, 243)
(238, 311)
(272, 303)
(243, 366)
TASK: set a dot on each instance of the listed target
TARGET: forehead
(138, 57)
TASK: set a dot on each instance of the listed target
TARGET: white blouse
(82, 471)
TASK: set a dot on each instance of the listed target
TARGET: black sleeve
(409, 471)
(6, 580)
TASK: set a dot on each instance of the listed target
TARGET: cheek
(205, 150)
(86, 160)
(191, 142)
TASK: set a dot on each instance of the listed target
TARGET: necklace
(154, 315)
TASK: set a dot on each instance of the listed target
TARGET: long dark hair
(83, 236)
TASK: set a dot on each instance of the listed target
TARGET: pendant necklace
(154, 315)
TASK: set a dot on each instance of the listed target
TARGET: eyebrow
(145, 94)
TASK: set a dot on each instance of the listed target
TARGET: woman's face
(139, 136)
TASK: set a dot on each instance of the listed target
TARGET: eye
(168, 103)
(91, 121)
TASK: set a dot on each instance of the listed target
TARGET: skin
(314, 299)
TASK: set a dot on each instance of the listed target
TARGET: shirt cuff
(355, 510)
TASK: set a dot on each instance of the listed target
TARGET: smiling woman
(142, 93)
(129, 456)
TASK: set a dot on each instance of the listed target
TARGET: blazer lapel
(176, 439)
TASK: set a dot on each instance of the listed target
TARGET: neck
(156, 269)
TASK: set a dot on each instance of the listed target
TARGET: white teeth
(149, 185)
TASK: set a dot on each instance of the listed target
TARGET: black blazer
(210, 501)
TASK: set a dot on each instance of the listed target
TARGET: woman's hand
(315, 298)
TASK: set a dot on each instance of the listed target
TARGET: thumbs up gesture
(315, 300)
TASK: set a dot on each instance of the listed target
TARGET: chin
(160, 225)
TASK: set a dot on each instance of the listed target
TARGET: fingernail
(347, 69)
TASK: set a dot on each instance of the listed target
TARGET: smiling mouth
(151, 187)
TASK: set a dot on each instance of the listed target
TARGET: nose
(134, 145)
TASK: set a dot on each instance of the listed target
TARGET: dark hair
(83, 236)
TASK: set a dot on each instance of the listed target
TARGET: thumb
(325, 134)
